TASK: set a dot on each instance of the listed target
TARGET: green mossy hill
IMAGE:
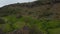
(40, 16)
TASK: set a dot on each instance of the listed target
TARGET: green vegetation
(40, 16)
(43, 25)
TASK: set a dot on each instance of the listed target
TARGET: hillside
(37, 17)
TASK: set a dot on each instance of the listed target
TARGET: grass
(12, 23)
(54, 31)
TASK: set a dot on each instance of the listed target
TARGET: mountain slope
(39, 17)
